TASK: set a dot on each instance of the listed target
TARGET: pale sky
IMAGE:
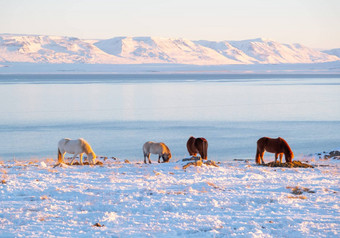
(314, 23)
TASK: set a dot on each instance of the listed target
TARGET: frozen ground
(237, 199)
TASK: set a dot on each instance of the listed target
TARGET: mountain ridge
(151, 50)
(335, 52)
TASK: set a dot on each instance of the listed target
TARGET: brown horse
(198, 145)
(278, 146)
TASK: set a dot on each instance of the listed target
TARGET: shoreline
(74, 68)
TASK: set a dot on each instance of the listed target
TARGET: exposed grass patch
(294, 164)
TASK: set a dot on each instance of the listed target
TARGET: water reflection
(198, 100)
(117, 117)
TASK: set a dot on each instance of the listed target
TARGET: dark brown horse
(278, 146)
(198, 145)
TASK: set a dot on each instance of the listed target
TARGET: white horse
(76, 147)
(161, 149)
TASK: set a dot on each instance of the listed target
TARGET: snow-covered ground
(237, 199)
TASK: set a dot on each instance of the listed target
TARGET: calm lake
(116, 114)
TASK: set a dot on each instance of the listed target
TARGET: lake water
(118, 113)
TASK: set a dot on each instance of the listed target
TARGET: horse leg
(159, 158)
(276, 154)
(261, 156)
(147, 156)
(281, 155)
(81, 158)
(73, 158)
(62, 157)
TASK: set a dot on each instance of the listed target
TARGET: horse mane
(166, 147)
(286, 147)
(86, 146)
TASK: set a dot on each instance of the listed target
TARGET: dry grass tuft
(211, 163)
(44, 197)
(4, 176)
(297, 197)
(196, 163)
(215, 186)
(177, 193)
(157, 173)
(4, 171)
(52, 170)
(97, 225)
(294, 164)
(299, 190)
(85, 163)
(33, 162)
(49, 160)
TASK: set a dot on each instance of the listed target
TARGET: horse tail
(205, 149)
(145, 148)
(257, 157)
(260, 147)
(59, 157)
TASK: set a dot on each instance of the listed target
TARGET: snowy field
(237, 199)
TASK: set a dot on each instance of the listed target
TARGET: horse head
(92, 157)
(289, 157)
(166, 157)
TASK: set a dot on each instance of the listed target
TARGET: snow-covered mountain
(144, 50)
(271, 52)
(51, 49)
(162, 50)
(335, 52)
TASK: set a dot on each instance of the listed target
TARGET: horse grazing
(278, 146)
(156, 148)
(198, 145)
(76, 147)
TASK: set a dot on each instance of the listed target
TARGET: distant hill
(154, 50)
(335, 52)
